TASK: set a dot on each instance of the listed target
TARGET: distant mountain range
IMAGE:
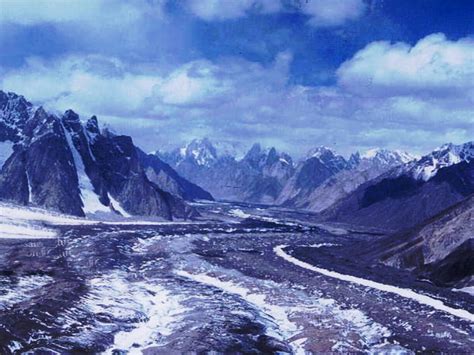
(270, 177)
(258, 177)
(72, 167)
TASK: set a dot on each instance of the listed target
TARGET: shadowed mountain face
(403, 198)
(166, 178)
(321, 164)
(63, 165)
(441, 248)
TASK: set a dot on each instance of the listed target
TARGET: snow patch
(24, 231)
(155, 310)
(281, 320)
(90, 199)
(22, 290)
(14, 214)
(278, 325)
(239, 213)
(469, 290)
(119, 207)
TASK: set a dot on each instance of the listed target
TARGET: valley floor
(244, 279)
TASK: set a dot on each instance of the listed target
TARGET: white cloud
(32, 12)
(96, 13)
(194, 82)
(235, 99)
(324, 13)
(210, 10)
(87, 84)
(434, 65)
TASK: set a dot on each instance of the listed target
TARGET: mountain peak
(202, 151)
(70, 115)
(446, 155)
(387, 157)
(321, 151)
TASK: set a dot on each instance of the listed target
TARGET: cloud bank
(388, 94)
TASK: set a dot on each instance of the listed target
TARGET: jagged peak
(70, 115)
(92, 125)
(202, 151)
(320, 151)
(446, 155)
(40, 113)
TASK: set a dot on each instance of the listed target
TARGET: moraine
(138, 288)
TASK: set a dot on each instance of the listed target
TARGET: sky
(295, 74)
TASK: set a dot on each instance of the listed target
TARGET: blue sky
(349, 74)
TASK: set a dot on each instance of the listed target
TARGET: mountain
(407, 195)
(167, 179)
(441, 248)
(61, 164)
(319, 165)
(258, 177)
(362, 168)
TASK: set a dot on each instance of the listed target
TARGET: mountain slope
(320, 165)
(362, 169)
(440, 248)
(400, 198)
(167, 179)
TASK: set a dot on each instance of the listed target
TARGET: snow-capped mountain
(446, 155)
(258, 177)
(199, 152)
(361, 168)
(382, 157)
(410, 193)
(65, 165)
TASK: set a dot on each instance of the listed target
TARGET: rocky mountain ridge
(75, 168)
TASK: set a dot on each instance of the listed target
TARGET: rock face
(320, 164)
(258, 177)
(42, 166)
(60, 164)
(362, 168)
(14, 113)
(402, 198)
(441, 248)
(167, 179)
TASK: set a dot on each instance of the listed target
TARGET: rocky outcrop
(60, 164)
(43, 167)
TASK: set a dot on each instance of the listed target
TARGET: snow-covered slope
(446, 155)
